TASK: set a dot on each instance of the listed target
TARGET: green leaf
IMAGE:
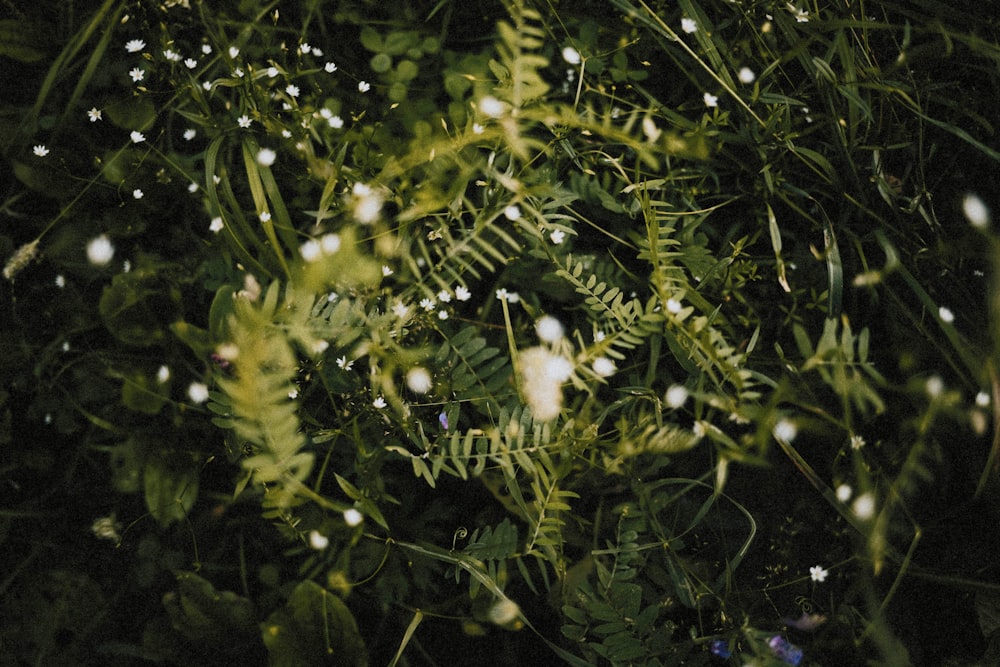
(18, 40)
(216, 622)
(315, 627)
(170, 487)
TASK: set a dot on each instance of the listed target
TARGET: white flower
(982, 399)
(418, 379)
(137, 136)
(864, 506)
(542, 374)
(126, 266)
(976, 211)
(318, 541)
(379, 403)
(364, 86)
(61, 282)
(106, 528)
(163, 374)
(801, 15)
(100, 250)
(818, 574)
(557, 237)
(491, 106)
(330, 243)
(549, 329)
(206, 49)
(746, 75)
(689, 25)
(934, 386)
(135, 45)
(604, 367)
(216, 225)
(238, 72)
(366, 203)
(571, 55)
(40, 150)
(650, 130)
(207, 85)
(330, 67)
(844, 492)
(502, 294)
(673, 306)
(462, 293)
(442, 314)
(785, 430)
(477, 128)
(512, 212)
(94, 115)
(172, 56)
(857, 441)
(386, 271)
(137, 74)
(192, 187)
(599, 336)
(190, 134)
(676, 395)
(444, 296)
(266, 157)
(353, 517)
(400, 309)
(427, 304)
(344, 364)
(292, 90)
(504, 612)
(710, 100)
(244, 121)
(265, 216)
(233, 51)
(946, 315)
(310, 251)
(190, 63)
(137, 193)
(198, 392)
(336, 122)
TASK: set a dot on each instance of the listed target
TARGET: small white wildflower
(946, 315)
(477, 128)
(785, 430)
(379, 403)
(266, 157)
(193, 187)
(676, 395)
(137, 193)
(207, 85)
(126, 266)
(444, 296)
(746, 75)
(172, 56)
(61, 282)
(689, 25)
(571, 55)
(100, 250)
(94, 114)
(976, 211)
(318, 541)
(40, 150)
(137, 137)
(238, 72)
(557, 237)
(801, 15)
(427, 304)
(206, 49)
(353, 517)
(542, 374)
(336, 122)
(604, 367)
(462, 293)
(366, 203)
(491, 106)
(320, 346)
(818, 574)
(502, 294)
(599, 336)
(272, 72)
(400, 309)
(549, 329)
(233, 51)
(135, 45)
(310, 251)
(216, 225)
(982, 399)
(137, 74)
(287, 135)
(864, 506)
(418, 379)
(344, 364)
(244, 121)
(673, 306)
(386, 271)
(198, 392)
(710, 100)
(504, 612)
(265, 216)
(364, 86)
(934, 386)
(106, 528)
(292, 90)
(65, 346)
(330, 67)
(857, 441)
(163, 374)
(190, 63)
(330, 243)
(650, 129)
(844, 493)
(442, 314)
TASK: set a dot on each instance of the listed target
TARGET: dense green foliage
(617, 332)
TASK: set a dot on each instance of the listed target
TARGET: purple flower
(443, 419)
(785, 651)
(720, 648)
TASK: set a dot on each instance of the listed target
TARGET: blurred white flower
(318, 540)
(864, 506)
(746, 75)
(198, 392)
(542, 374)
(689, 25)
(266, 157)
(677, 395)
(135, 45)
(571, 55)
(100, 250)
(785, 430)
(353, 517)
(549, 329)
(604, 367)
(418, 379)
(710, 100)
(976, 211)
